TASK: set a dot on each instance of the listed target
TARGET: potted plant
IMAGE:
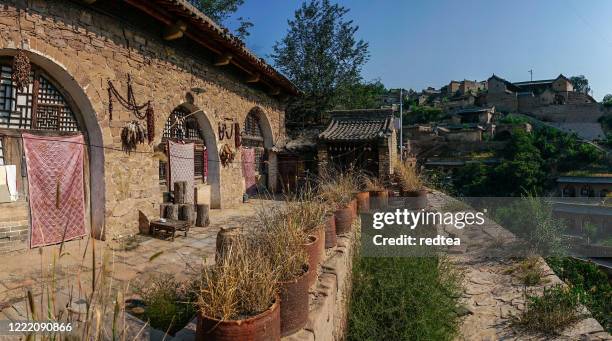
(379, 196)
(310, 213)
(237, 299)
(282, 240)
(411, 186)
(338, 193)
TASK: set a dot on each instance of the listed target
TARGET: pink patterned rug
(248, 170)
(55, 180)
(181, 166)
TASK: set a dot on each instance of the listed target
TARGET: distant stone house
(364, 139)
(533, 95)
(584, 186)
(203, 85)
(461, 132)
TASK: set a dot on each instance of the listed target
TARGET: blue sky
(415, 44)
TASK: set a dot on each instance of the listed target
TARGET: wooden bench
(170, 226)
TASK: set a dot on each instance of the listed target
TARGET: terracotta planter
(379, 199)
(415, 199)
(313, 249)
(363, 201)
(353, 205)
(330, 231)
(263, 327)
(344, 220)
(294, 306)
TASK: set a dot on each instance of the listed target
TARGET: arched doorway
(53, 104)
(257, 135)
(190, 124)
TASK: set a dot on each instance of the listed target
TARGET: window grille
(189, 131)
(40, 105)
(253, 138)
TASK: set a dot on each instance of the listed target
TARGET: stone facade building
(176, 58)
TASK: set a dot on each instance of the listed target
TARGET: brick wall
(90, 48)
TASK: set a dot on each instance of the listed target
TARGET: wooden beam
(254, 78)
(224, 59)
(88, 2)
(175, 31)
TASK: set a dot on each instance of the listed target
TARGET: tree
(581, 84)
(607, 100)
(221, 10)
(321, 56)
(360, 95)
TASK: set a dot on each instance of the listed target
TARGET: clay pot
(294, 306)
(330, 231)
(353, 205)
(363, 201)
(263, 327)
(344, 220)
(415, 199)
(379, 199)
(313, 249)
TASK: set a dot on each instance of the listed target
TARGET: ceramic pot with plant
(281, 239)
(343, 217)
(411, 186)
(379, 195)
(363, 201)
(330, 231)
(237, 299)
(313, 250)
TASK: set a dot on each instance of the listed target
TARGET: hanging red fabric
(205, 163)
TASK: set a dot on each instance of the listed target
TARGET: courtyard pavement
(70, 275)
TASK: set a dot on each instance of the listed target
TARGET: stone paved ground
(31, 270)
(492, 294)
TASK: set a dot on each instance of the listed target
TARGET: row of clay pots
(289, 312)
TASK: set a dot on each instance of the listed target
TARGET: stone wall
(87, 48)
(502, 101)
(584, 113)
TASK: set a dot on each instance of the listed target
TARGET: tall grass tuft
(407, 177)
(242, 285)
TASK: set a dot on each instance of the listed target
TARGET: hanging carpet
(248, 170)
(55, 181)
(182, 166)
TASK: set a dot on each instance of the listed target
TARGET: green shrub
(550, 313)
(403, 299)
(169, 304)
(591, 282)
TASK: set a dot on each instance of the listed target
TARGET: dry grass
(241, 286)
(338, 189)
(529, 271)
(281, 239)
(407, 177)
(374, 184)
(309, 210)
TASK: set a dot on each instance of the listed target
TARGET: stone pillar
(384, 159)
(272, 171)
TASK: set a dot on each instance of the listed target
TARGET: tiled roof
(205, 32)
(358, 125)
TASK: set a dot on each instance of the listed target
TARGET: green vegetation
(581, 84)
(530, 162)
(513, 119)
(403, 299)
(169, 304)
(423, 114)
(532, 220)
(529, 271)
(592, 284)
(550, 313)
(321, 56)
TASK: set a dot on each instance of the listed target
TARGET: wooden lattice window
(39, 106)
(181, 127)
(253, 138)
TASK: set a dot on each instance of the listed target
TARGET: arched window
(253, 138)
(39, 106)
(181, 127)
